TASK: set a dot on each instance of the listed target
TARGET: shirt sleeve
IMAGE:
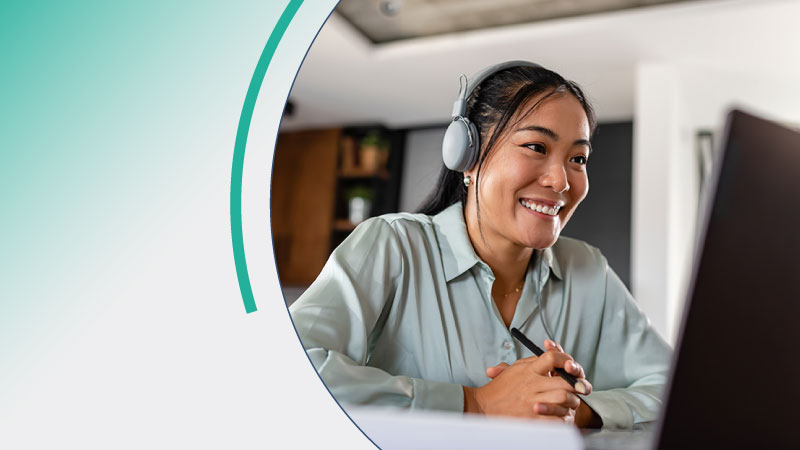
(632, 362)
(341, 314)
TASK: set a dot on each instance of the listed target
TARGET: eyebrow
(552, 135)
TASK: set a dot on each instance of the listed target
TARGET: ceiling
(384, 21)
(347, 79)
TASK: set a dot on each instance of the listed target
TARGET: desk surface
(392, 429)
(618, 440)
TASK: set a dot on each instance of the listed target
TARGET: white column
(664, 197)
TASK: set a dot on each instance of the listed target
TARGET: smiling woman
(414, 310)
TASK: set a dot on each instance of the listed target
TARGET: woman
(414, 310)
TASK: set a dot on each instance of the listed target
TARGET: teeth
(544, 209)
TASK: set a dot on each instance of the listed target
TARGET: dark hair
(492, 105)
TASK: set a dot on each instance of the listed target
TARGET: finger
(547, 409)
(576, 370)
(494, 371)
(543, 383)
(582, 385)
(552, 345)
(527, 360)
(560, 397)
(587, 386)
(550, 361)
(573, 368)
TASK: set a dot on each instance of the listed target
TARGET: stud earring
(467, 180)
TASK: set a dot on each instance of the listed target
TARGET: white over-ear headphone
(461, 144)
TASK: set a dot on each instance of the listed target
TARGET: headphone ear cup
(460, 144)
(475, 148)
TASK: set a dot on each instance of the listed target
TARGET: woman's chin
(541, 234)
(540, 242)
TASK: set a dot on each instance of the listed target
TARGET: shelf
(359, 168)
(343, 225)
(364, 173)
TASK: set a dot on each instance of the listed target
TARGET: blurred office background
(362, 131)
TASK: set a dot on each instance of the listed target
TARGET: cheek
(579, 188)
(498, 186)
(491, 197)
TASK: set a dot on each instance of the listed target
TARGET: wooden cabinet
(302, 197)
(314, 173)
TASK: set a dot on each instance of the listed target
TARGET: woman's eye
(536, 147)
(580, 159)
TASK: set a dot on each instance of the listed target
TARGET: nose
(555, 177)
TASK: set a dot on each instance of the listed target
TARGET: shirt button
(507, 345)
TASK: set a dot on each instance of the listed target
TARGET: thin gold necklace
(516, 290)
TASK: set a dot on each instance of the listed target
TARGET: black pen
(580, 388)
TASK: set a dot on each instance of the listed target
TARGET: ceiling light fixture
(390, 8)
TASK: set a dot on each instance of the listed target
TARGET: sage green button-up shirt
(402, 315)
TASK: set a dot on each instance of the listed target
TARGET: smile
(544, 209)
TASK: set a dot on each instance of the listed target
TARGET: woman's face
(536, 176)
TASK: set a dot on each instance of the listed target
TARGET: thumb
(494, 371)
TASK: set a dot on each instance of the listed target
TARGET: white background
(121, 320)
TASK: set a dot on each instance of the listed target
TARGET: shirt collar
(552, 262)
(458, 255)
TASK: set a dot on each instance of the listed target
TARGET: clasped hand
(530, 388)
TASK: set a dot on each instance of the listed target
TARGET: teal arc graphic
(237, 237)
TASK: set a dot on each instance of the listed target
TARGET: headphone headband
(468, 86)
(478, 78)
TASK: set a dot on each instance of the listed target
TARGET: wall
(675, 100)
(421, 165)
(604, 217)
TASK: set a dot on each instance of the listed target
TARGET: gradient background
(121, 321)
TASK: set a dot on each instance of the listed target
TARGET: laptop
(735, 380)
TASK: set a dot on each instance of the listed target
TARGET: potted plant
(359, 203)
(374, 151)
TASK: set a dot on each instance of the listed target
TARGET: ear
(471, 172)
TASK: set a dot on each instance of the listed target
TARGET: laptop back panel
(736, 375)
